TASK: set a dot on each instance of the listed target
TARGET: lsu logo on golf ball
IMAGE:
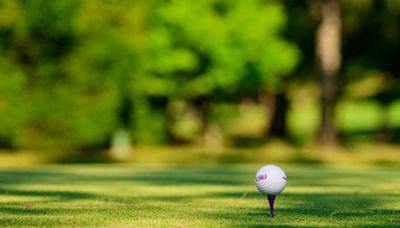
(270, 180)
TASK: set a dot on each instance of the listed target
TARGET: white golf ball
(270, 180)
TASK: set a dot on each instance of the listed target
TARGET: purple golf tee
(271, 200)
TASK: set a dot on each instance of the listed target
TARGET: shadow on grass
(179, 177)
(62, 195)
(16, 210)
(167, 176)
(314, 176)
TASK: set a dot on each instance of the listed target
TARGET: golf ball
(270, 180)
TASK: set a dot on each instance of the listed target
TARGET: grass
(127, 195)
(372, 153)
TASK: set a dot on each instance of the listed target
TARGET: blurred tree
(104, 66)
(370, 47)
(302, 24)
(12, 78)
(75, 61)
(370, 43)
(33, 47)
(328, 52)
(214, 50)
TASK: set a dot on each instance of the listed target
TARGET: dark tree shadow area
(167, 176)
(390, 136)
(63, 195)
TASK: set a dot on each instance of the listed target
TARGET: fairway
(203, 196)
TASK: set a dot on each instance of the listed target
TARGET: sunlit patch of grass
(22, 158)
(196, 196)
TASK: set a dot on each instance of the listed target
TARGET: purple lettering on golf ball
(261, 177)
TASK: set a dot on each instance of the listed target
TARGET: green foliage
(72, 79)
(212, 46)
(74, 72)
(12, 102)
(371, 34)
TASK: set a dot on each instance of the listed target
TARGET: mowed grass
(197, 196)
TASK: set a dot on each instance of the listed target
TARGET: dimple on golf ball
(270, 180)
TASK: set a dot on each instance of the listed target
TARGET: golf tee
(271, 200)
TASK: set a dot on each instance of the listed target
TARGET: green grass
(196, 196)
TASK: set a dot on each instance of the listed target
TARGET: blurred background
(184, 81)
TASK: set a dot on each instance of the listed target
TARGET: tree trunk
(278, 125)
(212, 134)
(384, 130)
(121, 144)
(328, 39)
